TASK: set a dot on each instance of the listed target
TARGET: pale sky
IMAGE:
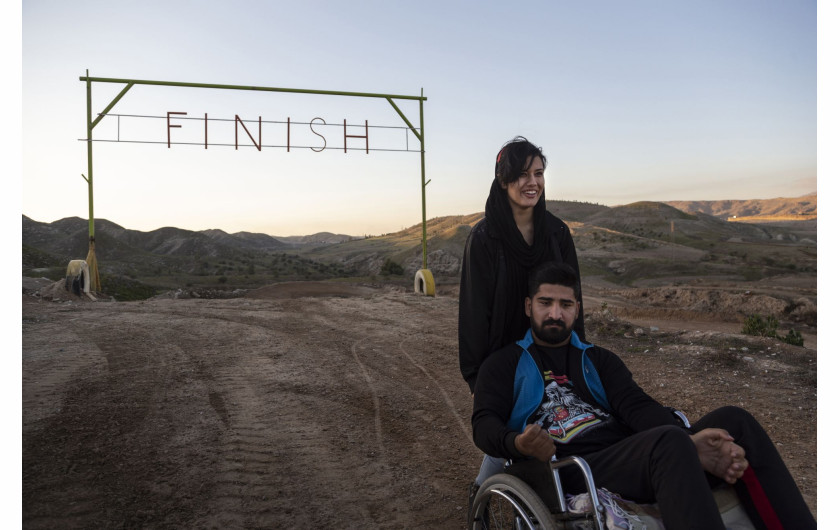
(642, 100)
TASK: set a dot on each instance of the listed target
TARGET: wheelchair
(506, 500)
(530, 495)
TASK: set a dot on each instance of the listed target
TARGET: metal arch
(420, 132)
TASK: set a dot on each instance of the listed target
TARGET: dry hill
(799, 208)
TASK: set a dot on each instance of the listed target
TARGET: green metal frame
(91, 123)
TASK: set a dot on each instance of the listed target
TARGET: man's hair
(513, 156)
(553, 273)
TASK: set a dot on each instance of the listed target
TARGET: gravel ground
(306, 406)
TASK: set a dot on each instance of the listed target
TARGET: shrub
(766, 327)
(757, 325)
(223, 279)
(125, 289)
(794, 337)
(391, 267)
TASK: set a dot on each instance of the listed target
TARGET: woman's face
(525, 192)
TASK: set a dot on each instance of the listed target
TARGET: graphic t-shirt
(576, 425)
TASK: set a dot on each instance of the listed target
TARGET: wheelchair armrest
(680, 416)
(556, 464)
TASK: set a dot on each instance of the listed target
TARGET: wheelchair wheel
(505, 501)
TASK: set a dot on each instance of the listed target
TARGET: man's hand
(535, 441)
(720, 455)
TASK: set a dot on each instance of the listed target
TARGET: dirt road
(341, 409)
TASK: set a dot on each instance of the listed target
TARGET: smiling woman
(516, 235)
(524, 193)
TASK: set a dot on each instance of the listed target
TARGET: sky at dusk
(629, 100)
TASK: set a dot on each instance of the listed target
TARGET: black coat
(481, 319)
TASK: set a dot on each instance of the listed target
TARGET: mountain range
(619, 243)
(767, 209)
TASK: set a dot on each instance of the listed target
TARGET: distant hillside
(655, 219)
(246, 240)
(167, 256)
(643, 241)
(445, 238)
(315, 240)
(69, 236)
(575, 211)
(804, 207)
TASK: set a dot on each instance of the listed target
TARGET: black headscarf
(519, 256)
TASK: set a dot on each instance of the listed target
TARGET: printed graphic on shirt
(563, 414)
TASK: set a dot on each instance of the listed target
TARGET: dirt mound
(723, 304)
(804, 310)
(33, 286)
(57, 292)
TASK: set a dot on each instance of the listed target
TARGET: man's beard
(551, 335)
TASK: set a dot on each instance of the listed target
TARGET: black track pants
(661, 465)
(767, 490)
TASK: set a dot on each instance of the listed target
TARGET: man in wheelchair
(552, 395)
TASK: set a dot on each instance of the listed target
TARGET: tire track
(234, 372)
(442, 392)
(377, 415)
(105, 421)
(249, 468)
(188, 414)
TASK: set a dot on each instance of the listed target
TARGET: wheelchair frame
(527, 509)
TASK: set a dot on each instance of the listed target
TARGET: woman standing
(516, 235)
